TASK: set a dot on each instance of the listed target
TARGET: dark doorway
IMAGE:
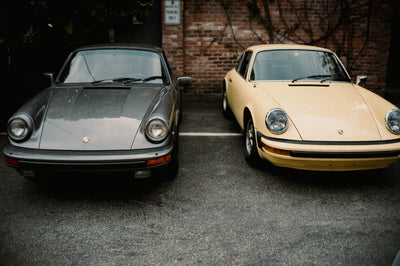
(147, 31)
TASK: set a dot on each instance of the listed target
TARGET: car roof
(129, 46)
(263, 47)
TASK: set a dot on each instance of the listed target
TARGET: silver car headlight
(156, 130)
(277, 121)
(393, 121)
(20, 127)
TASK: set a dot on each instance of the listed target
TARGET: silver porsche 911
(113, 107)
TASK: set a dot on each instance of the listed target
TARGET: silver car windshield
(119, 65)
(297, 65)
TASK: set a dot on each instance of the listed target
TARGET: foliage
(77, 21)
(89, 21)
(337, 23)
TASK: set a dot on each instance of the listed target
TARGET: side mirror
(183, 81)
(361, 80)
(50, 76)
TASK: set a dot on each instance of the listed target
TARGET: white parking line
(209, 134)
(191, 134)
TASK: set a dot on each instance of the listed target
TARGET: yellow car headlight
(277, 121)
(393, 121)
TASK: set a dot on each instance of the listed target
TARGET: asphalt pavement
(218, 211)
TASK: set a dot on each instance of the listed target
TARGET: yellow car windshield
(296, 65)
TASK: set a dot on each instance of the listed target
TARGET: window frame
(335, 57)
(247, 54)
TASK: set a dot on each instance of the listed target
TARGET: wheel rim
(224, 103)
(250, 137)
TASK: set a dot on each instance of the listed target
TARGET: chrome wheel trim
(224, 101)
(249, 137)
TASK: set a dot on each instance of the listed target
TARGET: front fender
(259, 105)
(165, 107)
(36, 109)
(379, 107)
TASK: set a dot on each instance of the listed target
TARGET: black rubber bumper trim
(336, 155)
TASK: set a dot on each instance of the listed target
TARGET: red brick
(213, 41)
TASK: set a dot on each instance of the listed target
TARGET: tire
(250, 144)
(173, 167)
(180, 108)
(226, 110)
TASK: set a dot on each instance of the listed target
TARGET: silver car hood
(95, 118)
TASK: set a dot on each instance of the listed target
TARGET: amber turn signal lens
(276, 151)
(157, 161)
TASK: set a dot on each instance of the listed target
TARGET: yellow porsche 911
(298, 108)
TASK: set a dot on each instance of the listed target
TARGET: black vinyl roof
(133, 46)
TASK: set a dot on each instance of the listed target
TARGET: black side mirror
(361, 80)
(50, 76)
(183, 81)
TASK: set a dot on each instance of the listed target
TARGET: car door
(238, 85)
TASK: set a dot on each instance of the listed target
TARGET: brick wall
(212, 35)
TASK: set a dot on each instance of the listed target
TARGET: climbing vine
(336, 24)
(333, 22)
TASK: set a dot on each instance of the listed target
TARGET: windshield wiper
(153, 78)
(124, 80)
(314, 77)
(127, 80)
(328, 78)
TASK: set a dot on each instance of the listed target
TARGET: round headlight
(19, 128)
(393, 121)
(156, 130)
(277, 121)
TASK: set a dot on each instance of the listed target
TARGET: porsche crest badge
(86, 139)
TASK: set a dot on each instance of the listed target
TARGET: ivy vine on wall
(325, 22)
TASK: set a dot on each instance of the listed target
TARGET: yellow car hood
(325, 111)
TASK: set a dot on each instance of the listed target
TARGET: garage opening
(145, 30)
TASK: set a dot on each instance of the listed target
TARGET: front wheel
(250, 146)
(226, 110)
(173, 167)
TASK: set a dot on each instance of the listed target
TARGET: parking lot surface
(218, 211)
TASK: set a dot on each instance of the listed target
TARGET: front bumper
(31, 162)
(328, 156)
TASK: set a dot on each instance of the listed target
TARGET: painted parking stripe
(191, 134)
(209, 134)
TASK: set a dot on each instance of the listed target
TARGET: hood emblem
(86, 139)
(340, 131)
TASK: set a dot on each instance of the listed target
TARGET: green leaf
(69, 28)
(123, 13)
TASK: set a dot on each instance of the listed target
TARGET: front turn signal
(157, 161)
(275, 151)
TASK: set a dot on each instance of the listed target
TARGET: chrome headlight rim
(393, 127)
(270, 121)
(19, 128)
(156, 129)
